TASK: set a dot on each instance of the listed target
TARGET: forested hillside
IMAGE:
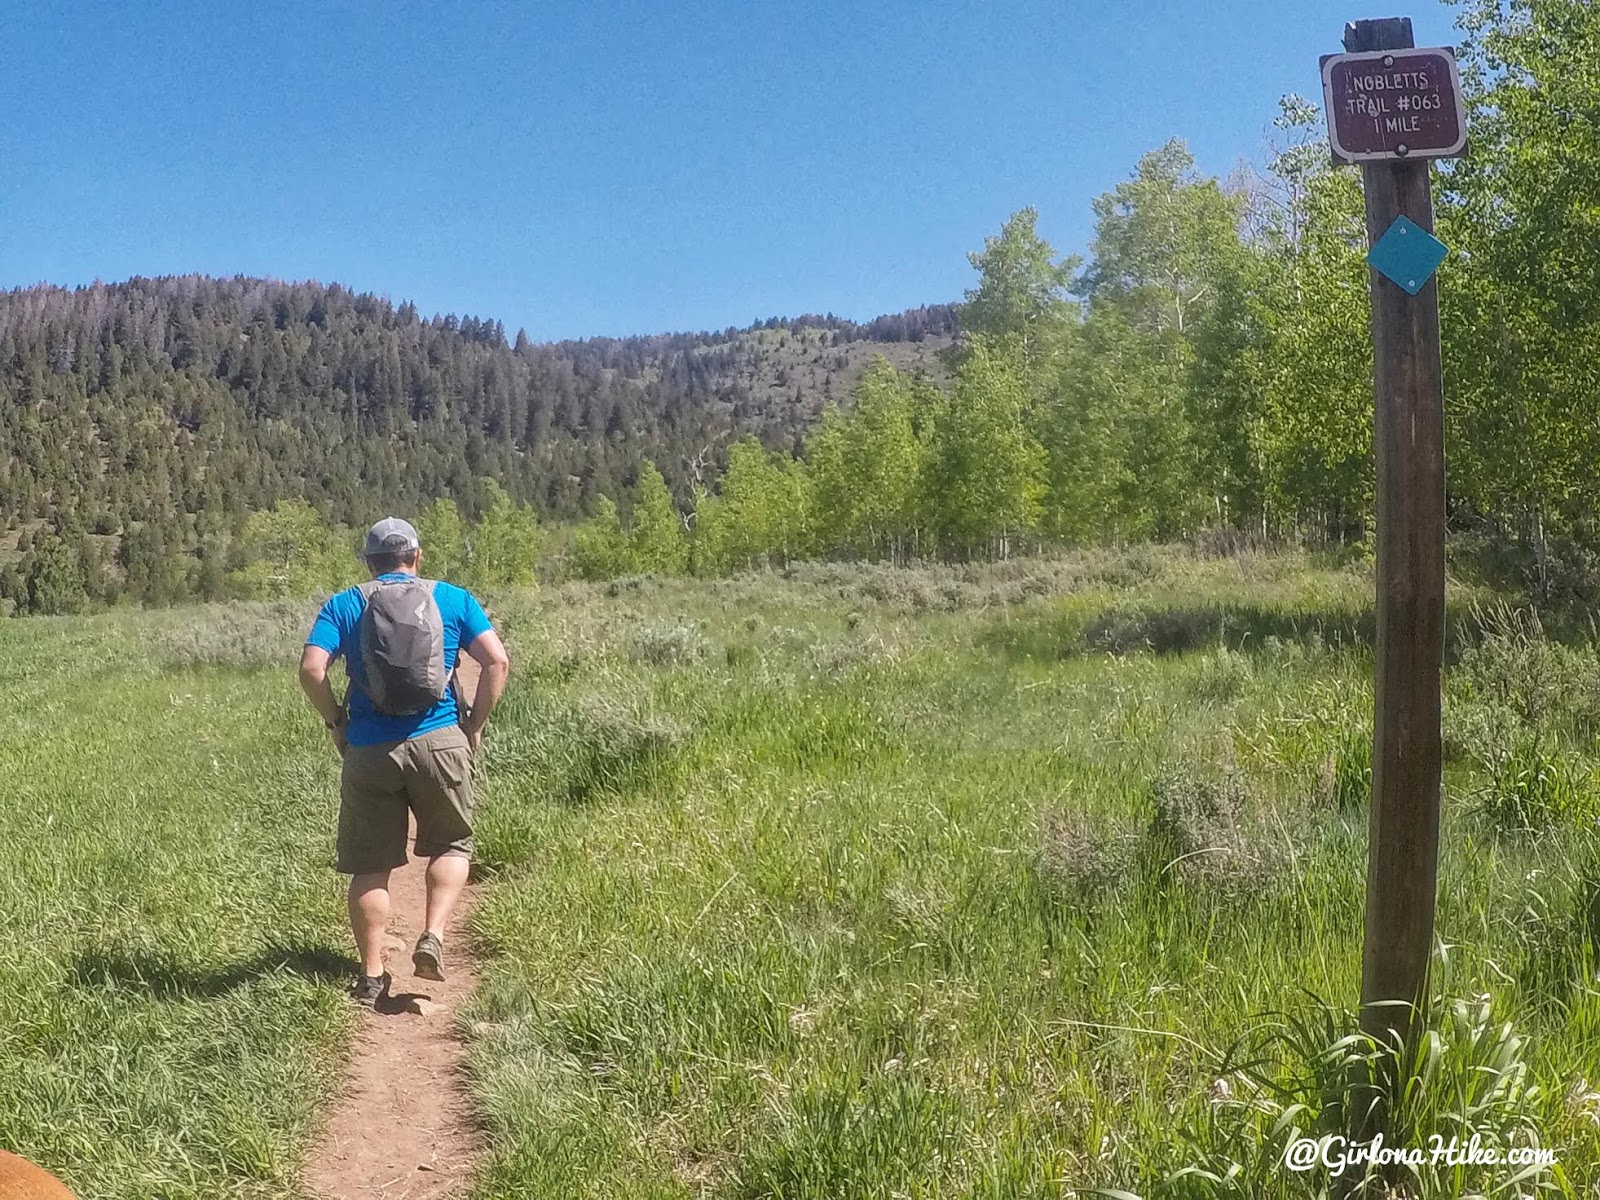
(142, 423)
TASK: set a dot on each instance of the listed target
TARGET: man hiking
(405, 743)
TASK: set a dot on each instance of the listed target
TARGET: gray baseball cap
(390, 536)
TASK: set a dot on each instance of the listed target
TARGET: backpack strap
(365, 588)
(450, 680)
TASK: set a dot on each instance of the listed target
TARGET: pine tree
(55, 577)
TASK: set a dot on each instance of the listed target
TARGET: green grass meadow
(1021, 881)
(168, 998)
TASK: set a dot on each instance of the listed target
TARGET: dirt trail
(403, 1126)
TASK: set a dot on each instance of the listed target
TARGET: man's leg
(369, 917)
(440, 783)
(372, 842)
(447, 876)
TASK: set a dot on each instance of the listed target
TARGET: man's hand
(494, 665)
(314, 681)
(473, 727)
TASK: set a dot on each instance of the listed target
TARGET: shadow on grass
(578, 752)
(1181, 628)
(1173, 629)
(165, 976)
(621, 772)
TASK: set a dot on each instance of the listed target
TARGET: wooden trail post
(1393, 113)
(1403, 847)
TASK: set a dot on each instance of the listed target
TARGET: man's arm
(314, 682)
(490, 655)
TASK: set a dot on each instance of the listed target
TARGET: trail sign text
(1394, 104)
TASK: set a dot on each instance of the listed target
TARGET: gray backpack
(402, 646)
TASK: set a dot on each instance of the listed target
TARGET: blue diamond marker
(1408, 255)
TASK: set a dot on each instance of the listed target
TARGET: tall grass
(169, 1001)
(951, 888)
(1020, 881)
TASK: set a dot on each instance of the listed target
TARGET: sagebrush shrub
(1195, 814)
(837, 658)
(668, 644)
(1201, 832)
(1513, 664)
(614, 744)
(1164, 630)
(1083, 856)
(245, 634)
(578, 750)
(1477, 731)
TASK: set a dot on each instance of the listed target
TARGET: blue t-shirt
(337, 630)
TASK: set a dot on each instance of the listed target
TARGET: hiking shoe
(428, 958)
(368, 989)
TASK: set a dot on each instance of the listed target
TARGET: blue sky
(609, 168)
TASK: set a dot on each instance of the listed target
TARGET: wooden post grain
(1403, 849)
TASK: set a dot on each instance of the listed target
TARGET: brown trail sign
(1387, 104)
(1392, 107)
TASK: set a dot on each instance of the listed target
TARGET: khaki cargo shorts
(430, 776)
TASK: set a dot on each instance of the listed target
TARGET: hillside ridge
(204, 395)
